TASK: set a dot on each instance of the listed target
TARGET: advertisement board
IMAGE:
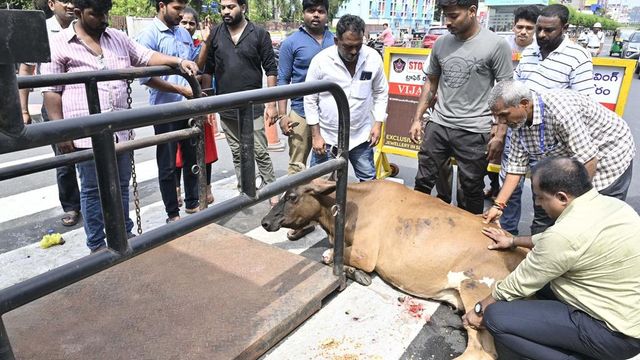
(404, 70)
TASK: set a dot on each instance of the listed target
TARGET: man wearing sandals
(88, 44)
(68, 191)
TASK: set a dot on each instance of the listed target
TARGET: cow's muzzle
(273, 220)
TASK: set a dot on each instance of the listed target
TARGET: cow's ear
(322, 187)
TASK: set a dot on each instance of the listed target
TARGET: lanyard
(543, 148)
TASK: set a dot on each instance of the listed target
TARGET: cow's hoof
(357, 275)
(327, 256)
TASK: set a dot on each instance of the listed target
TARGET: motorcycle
(376, 45)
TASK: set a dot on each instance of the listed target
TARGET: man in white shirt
(359, 71)
(595, 40)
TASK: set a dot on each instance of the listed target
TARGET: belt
(593, 47)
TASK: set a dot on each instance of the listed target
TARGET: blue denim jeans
(360, 157)
(90, 199)
(511, 214)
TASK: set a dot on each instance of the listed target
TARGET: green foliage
(17, 4)
(580, 19)
(141, 8)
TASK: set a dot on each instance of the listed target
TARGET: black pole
(75, 157)
(5, 346)
(200, 161)
(247, 157)
(104, 153)
(344, 126)
(10, 111)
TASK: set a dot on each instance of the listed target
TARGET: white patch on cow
(455, 278)
(487, 281)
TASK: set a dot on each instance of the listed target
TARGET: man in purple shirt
(88, 44)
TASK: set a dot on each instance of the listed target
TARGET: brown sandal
(70, 218)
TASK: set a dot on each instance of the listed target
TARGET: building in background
(401, 15)
(500, 12)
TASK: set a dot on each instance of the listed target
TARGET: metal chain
(134, 180)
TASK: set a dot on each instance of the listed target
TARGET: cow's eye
(292, 197)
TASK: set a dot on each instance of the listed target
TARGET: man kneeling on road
(583, 271)
(561, 123)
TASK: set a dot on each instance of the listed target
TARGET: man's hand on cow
(374, 135)
(472, 320)
(502, 240)
(416, 132)
(492, 215)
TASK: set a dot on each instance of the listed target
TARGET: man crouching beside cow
(583, 270)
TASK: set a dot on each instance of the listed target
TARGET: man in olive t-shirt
(462, 69)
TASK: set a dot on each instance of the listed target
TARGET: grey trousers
(262, 158)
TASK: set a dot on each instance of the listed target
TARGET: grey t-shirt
(467, 71)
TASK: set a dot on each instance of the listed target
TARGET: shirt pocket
(361, 89)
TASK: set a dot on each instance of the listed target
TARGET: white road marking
(26, 160)
(47, 197)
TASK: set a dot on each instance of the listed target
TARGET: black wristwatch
(478, 309)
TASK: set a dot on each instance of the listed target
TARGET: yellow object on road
(50, 240)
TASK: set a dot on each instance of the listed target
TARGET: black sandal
(70, 218)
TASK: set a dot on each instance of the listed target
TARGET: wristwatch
(478, 309)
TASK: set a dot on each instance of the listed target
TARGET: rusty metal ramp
(213, 294)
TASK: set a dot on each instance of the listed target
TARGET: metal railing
(100, 127)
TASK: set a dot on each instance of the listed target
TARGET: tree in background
(141, 8)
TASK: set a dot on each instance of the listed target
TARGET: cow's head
(299, 206)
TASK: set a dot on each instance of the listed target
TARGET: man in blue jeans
(88, 44)
(165, 36)
(583, 271)
(358, 70)
(552, 62)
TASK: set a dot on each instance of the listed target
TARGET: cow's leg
(480, 344)
(352, 272)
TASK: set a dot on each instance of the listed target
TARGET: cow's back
(423, 241)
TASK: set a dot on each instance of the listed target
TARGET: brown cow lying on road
(416, 242)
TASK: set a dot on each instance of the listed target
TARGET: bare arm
(24, 93)
(427, 99)
(53, 105)
(510, 183)
(270, 111)
(592, 166)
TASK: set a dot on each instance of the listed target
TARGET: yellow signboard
(404, 70)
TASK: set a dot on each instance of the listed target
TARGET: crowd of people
(538, 117)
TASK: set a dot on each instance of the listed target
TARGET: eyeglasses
(65, 1)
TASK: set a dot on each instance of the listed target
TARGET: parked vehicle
(376, 45)
(432, 34)
(619, 37)
(631, 48)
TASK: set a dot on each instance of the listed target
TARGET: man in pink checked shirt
(88, 44)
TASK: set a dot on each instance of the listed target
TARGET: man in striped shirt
(553, 62)
(562, 123)
(88, 44)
